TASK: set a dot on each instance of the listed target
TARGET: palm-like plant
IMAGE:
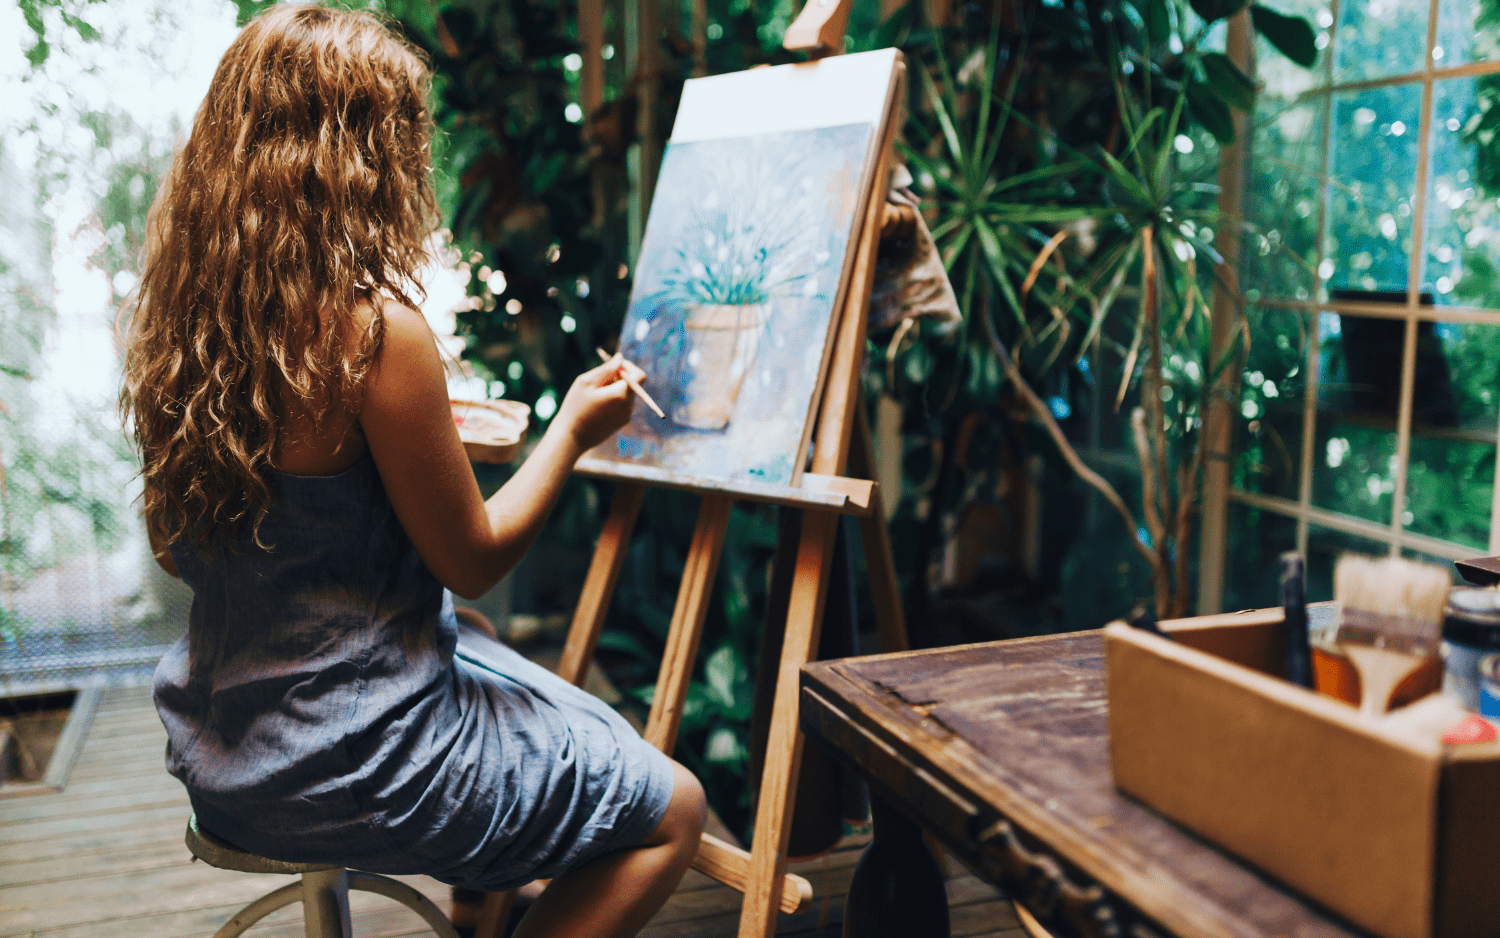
(1139, 212)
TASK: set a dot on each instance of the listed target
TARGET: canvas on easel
(745, 262)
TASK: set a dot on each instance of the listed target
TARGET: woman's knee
(686, 812)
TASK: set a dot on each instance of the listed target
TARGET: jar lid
(1473, 618)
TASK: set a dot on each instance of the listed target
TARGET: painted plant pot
(719, 347)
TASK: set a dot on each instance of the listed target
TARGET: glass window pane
(1410, 554)
(1450, 478)
(1268, 425)
(1354, 447)
(1379, 38)
(1257, 539)
(1468, 31)
(1463, 219)
(1373, 172)
(1281, 201)
(1324, 547)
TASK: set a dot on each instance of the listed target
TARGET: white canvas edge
(888, 112)
(831, 92)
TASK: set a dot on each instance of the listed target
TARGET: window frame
(1392, 534)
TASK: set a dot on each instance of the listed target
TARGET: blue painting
(740, 268)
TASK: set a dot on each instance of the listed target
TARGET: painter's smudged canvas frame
(744, 266)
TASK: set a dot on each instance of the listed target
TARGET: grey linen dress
(325, 706)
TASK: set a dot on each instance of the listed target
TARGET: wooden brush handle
(1380, 670)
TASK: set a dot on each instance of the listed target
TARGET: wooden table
(1002, 751)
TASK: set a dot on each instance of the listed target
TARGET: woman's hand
(466, 542)
(598, 404)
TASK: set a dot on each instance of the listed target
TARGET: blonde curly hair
(303, 191)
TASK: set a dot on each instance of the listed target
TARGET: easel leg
(599, 586)
(784, 749)
(880, 562)
(687, 622)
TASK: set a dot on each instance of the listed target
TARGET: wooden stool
(323, 890)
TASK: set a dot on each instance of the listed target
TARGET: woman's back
(306, 657)
(326, 707)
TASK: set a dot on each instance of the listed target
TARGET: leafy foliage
(32, 10)
(1050, 207)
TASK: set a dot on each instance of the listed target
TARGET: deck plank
(105, 857)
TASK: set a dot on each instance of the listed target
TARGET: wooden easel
(843, 443)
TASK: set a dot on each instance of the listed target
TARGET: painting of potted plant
(751, 241)
(734, 292)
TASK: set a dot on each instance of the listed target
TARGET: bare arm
(468, 543)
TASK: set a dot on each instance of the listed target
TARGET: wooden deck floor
(104, 857)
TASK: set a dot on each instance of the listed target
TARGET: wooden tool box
(1385, 826)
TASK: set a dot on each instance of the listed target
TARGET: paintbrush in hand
(630, 380)
(1390, 620)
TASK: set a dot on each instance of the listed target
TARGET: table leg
(897, 890)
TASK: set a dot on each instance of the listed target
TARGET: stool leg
(325, 904)
(407, 896)
(259, 909)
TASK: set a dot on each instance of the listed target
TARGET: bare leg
(613, 896)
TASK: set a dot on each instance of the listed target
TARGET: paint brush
(634, 384)
(1390, 620)
(1299, 668)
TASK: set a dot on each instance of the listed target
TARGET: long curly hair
(302, 193)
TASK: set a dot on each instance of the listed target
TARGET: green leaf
(1211, 112)
(1152, 116)
(38, 53)
(724, 747)
(954, 248)
(84, 30)
(1164, 153)
(1158, 26)
(980, 165)
(247, 10)
(898, 23)
(1211, 10)
(628, 644)
(719, 670)
(1292, 36)
(918, 364)
(990, 244)
(950, 133)
(1228, 82)
(1121, 176)
(1022, 214)
(1059, 171)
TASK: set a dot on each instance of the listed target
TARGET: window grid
(1303, 511)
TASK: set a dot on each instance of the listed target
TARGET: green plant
(1049, 217)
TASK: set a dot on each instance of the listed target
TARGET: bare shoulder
(408, 352)
(406, 396)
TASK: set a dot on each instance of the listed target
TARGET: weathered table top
(1006, 745)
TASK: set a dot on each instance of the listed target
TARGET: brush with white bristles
(1390, 620)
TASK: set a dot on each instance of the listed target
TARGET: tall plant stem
(1187, 508)
(1069, 454)
(1151, 301)
(1161, 572)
